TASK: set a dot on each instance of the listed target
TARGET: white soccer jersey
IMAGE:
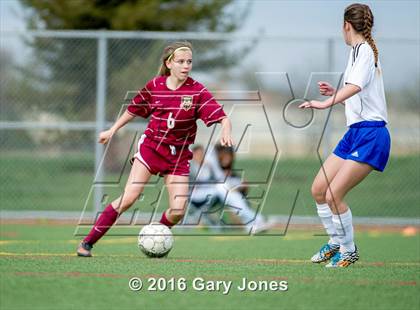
(221, 187)
(209, 171)
(209, 178)
(369, 104)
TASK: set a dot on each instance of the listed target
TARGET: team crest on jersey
(186, 102)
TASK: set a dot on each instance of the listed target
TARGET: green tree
(69, 65)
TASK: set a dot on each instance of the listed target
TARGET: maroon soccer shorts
(160, 158)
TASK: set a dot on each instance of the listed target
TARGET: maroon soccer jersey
(174, 112)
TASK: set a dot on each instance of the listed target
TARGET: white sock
(325, 214)
(246, 214)
(344, 226)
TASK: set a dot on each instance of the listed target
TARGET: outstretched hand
(326, 89)
(105, 136)
(314, 104)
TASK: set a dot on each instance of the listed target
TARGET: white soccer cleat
(262, 226)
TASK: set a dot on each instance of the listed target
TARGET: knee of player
(318, 192)
(332, 198)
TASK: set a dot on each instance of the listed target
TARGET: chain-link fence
(60, 88)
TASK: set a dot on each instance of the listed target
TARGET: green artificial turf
(39, 270)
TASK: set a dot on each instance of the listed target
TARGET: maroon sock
(164, 220)
(102, 225)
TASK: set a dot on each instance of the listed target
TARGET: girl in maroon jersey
(173, 101)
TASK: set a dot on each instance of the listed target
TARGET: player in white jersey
(365, 146)
(213, 183)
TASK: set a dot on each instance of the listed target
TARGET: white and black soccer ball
(155, 240)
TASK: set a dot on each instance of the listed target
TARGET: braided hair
(361, 18)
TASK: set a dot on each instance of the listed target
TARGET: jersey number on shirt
(170, 121)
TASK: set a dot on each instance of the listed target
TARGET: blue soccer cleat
(325, 253)
(342, 260)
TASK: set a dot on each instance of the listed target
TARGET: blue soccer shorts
(367, 142)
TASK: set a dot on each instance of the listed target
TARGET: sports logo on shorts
(186, 102)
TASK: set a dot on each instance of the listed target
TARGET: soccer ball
(155, 240)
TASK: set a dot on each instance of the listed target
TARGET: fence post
(100, 117)
(330, 67)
